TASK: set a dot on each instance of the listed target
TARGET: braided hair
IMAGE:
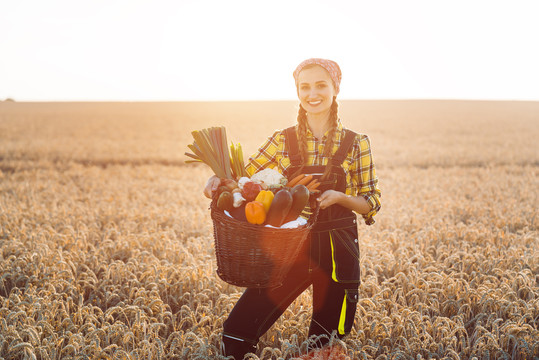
(330, 140)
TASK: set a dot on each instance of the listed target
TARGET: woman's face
(315, 89)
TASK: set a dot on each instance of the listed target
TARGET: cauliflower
(268, 177)
(242, 181)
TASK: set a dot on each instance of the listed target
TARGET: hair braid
(330, 140)
(302, 138)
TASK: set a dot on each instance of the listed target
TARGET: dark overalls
(329, 261)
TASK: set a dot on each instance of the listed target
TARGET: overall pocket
(345, 255)
(348, 312)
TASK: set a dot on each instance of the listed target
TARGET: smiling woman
(320, 147)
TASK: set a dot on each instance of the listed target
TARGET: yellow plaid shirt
(361, 179)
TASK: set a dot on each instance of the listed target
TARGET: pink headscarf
(330, 66)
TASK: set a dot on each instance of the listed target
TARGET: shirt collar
(310, 135)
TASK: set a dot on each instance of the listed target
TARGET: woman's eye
(320, 86)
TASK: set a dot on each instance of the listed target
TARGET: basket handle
(213, 204)
(315, 206)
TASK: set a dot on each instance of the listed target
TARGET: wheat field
(107, 246)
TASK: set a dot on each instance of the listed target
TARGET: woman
(342, 159)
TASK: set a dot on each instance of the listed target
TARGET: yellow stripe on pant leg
(333, 273)
(342, 319)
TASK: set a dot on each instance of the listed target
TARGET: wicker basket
(255, 256)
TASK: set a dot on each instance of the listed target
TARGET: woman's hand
(330, 197)
(211, 186)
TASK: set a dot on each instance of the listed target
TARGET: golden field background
(107, 248)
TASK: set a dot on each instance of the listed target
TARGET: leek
(210, 147)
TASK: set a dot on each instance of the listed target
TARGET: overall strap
(344, 147)
(291, 145)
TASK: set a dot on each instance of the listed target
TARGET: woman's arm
(356, 203)
(363, 173)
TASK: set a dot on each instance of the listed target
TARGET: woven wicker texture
(254, 255)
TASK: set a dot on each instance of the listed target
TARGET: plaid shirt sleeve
(266, 155)
(363, 171)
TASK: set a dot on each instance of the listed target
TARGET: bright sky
(113, 50)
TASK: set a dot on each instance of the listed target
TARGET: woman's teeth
(315, 102)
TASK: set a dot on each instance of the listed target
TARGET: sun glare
(192, 50)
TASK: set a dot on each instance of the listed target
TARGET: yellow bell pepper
(265, 197)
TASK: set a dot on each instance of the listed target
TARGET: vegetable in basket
(250, 190)
(280, 206)
(269, 177)
(210, 147)
(238, 213)
(230, 184)
(300, 198)
(238, 198)
(255, 213)
(308, 180)
(225, 201)
(266, 198)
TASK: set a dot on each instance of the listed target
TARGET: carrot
(313, 185)
(312, 182)
(305, 180)
(295, 180)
